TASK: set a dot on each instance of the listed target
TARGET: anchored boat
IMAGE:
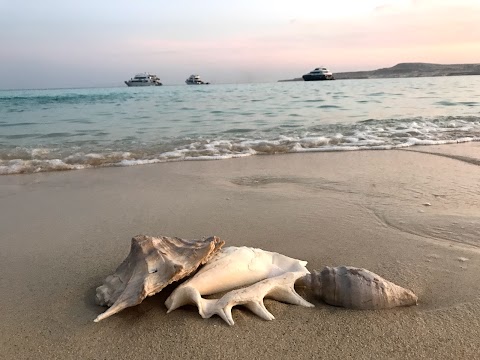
(195, 80)
(144, 79)
(317, 74)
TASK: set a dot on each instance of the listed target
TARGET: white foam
(384, 135)
(138, 162)
(19, 166)
(40, 152)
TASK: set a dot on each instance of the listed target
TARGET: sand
(412, 217)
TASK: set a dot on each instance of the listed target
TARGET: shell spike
(187, 295)
(259, 309)
(206, 307)
(111, 311)
(226, 315)
(289, 296)
(287, 293)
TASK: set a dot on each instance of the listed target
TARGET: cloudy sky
(64, 43)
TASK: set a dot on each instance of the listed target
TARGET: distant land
(404, 70)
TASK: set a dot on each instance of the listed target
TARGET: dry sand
(413, 218)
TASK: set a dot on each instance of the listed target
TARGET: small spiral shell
(356, 288)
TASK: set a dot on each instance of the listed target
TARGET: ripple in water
(2, 124)
(446, 103)
(328, 107)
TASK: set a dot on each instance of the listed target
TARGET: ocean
(69, 129)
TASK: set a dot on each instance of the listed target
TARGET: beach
(411, 216)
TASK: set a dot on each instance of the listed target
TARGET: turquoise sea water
(45, 130)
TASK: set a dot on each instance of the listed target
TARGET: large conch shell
(152, 264)
(273, 275)
(356, 288)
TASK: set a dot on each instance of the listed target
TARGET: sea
(73, 129)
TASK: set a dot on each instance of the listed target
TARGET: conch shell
(272, 275)
(152, 264)
(356, 288)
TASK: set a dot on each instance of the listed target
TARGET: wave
(369, 134)
(212, 151)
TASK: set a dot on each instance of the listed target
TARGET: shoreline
(36, 166)
(62, 233)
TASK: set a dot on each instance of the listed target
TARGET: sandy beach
(412, 216)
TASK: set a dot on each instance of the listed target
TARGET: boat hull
(196, 83)
(309, 77)
(135, 83)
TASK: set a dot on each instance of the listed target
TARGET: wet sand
(412, 217)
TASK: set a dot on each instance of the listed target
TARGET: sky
(88, 43)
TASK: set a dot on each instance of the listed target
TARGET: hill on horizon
(414, 69)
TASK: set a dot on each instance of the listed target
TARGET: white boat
(195, 80)
(144, 79)
(317, 74)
